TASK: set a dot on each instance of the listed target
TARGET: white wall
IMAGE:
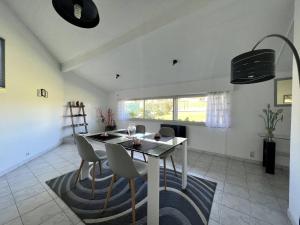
(31, 125)
(237, 141)
(28, 124)
(294, 199)
(78, 89)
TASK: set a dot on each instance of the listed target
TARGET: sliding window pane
(159, 109)
(134, 109)
(192, 109)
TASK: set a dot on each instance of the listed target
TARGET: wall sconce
(42, 93)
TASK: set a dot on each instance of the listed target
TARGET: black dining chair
(167, 132)
(140, 129)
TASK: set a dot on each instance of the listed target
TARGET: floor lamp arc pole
(290, 44)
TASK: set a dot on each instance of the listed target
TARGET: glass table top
(276, 136)
(158, 148)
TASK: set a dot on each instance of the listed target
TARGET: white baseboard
(293, 222)
(234, 157)
(29, 159)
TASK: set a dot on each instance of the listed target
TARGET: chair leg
(165, 174)
(132, 188)
(93, 181)
(144, 157)
(132, 154)
(78, 173)
(113, 179)
(100, 167)
(173, 163)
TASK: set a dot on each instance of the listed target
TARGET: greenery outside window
(134, 109)
(192, 109)
(159, 109)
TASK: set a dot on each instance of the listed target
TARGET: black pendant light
(258, 65)
(81, 13)
(253, 67)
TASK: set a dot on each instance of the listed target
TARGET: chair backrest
(167, 132)
(85, 149)
(141, 129)
(120, 162)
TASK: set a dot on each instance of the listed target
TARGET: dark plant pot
(110, 128)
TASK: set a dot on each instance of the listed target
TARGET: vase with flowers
(107, 119)
(271, 118)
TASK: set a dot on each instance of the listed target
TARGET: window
(159, 109)
(212, 109)
(192, 109)
(134, 109)
(2, 63)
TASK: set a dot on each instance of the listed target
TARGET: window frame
(175, 109)
(2, 72)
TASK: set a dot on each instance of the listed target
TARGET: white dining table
(164, 146)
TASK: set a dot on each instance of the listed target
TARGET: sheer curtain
(218, 110)
(122, 114)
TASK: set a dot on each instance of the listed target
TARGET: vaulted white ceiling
(138, 38)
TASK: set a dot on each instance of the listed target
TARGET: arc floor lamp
(258, 65)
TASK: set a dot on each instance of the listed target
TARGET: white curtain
(122, 114)
(218, 110)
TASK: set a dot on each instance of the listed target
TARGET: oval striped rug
(177, 207)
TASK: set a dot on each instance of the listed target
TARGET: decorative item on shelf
(77, 103)
(271, 118)
(108, 120)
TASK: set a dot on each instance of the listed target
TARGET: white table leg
(184, 165)
(85, 171)
(153, 191)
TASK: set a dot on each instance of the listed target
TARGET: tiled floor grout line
(51, 196)
(15, 205)
(215, 164)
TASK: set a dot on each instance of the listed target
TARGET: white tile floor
(245, 194)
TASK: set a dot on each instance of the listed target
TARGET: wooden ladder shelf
(80, 113)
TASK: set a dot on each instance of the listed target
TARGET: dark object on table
(269, 149)
(136, 142)
(102, 137)
(157, 136)
(144, 147)
(180, 131)
(110, 128)
(77, 103)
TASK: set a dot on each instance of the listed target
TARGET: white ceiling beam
(170, 16)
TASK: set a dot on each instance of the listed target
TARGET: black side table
(269, 149)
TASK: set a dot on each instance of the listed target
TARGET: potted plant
(271, 118)
(108, 120)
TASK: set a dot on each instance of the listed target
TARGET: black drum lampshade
(81, 13)
(253, 67)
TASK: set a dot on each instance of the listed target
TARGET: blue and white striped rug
(189, 207)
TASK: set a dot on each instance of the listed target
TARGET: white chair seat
(141, 167)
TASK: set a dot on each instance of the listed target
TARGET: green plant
(271, 118)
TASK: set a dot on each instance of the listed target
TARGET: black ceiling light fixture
(81, 13)
(258, 65)
(174, 62)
